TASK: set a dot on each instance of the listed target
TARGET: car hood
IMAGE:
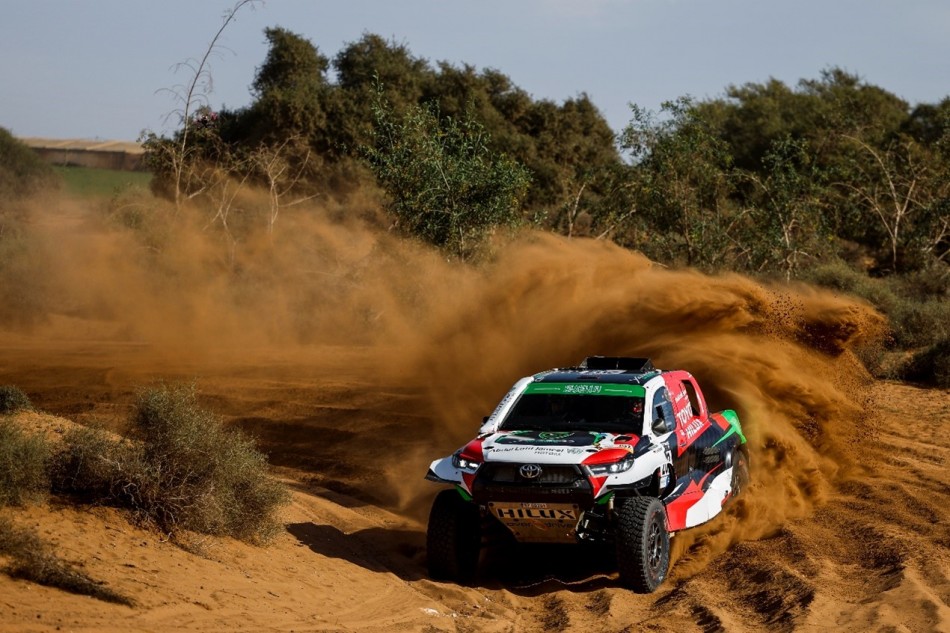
(547, 447)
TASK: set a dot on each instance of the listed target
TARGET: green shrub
(930, 366)
(13, 400)
(24, 460)
(918, 311)
(31, 560)
(195, 474)
(837, 275)
(446, 186)
(919, 323)
(186, 472)
(22, 171)
(93, 464)
(929, 283)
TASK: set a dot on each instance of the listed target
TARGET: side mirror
(660, 426)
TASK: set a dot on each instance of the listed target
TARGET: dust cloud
(781, 355)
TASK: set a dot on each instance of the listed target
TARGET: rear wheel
(643, 544)
(453, 538)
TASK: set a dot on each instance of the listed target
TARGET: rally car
(612, 451)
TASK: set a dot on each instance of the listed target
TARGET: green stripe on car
(586, 389)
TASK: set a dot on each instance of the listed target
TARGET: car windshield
(575, 412)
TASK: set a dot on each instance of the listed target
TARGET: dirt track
(355, 359)
(874, 555)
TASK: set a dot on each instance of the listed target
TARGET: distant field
(88, 181)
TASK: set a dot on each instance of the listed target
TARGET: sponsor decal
(686, 435)
(683, 415)
(587, 389)
(689, 431)
(563, 438)
(531, 449)
(534, 511)
(504, 402)
(583, 389)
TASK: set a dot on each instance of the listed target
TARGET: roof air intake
(635, 365)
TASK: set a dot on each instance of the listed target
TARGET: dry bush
(13, 400)
(22, 171)
(185, 471)
(23, 465)
(32, 560)
(195, 474)
(92, 465)
(919, 313)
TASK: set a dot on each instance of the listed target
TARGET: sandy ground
(873, 555)
(355, 358)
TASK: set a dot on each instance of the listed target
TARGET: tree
(784, 223)
(905, 187)
(174, 159)
(281, 175)
(682, 179)
(363, 68)
(444, 183)
(290, 90)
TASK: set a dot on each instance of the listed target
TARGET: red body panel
(690, 424)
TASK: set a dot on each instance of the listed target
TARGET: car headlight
(621, 466)
(464, 463)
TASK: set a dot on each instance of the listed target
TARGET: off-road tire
(453, 538)
(643, 544)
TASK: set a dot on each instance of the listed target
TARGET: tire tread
(452, 538)
(631, 535)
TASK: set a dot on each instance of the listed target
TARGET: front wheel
(643, 544)
(453, 538)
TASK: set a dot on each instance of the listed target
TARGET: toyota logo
(530, 471)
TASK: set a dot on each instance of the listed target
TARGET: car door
(689, 410)
(662, 425)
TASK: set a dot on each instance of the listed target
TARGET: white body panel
(710, 504)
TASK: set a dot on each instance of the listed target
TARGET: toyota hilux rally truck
(612, 451)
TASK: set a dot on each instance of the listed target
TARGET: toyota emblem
(530, 471)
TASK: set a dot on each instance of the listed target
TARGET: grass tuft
(24, 460)
(13, 400)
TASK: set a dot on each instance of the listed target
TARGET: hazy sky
(95, 68)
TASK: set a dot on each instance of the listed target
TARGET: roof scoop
(625, 363)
